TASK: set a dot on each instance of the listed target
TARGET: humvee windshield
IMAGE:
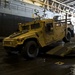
(32, 26)
(25, 27)
(35, 26)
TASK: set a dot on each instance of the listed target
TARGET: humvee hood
(22, 35)
(17, 34)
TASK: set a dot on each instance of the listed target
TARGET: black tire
(30, 49)
(67, 38)
(72, 32)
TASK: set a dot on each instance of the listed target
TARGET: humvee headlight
(57, 24)
(20, 39)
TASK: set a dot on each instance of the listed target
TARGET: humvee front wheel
(30, 49)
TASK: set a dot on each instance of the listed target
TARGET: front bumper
(13, 50)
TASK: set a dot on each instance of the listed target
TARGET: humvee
(33, 35)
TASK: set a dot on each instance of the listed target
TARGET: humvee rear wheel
(67, 38)
(30, 49)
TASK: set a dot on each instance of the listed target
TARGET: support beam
(54, 6)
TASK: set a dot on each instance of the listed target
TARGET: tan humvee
(33, 35)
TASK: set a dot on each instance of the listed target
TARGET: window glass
(49, 27)
(25, 27)
(35, 26)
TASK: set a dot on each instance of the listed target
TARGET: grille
(7, 43)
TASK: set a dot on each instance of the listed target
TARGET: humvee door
(58, 31)
(48, 33)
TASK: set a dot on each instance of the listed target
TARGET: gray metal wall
(12, 13)
(9, 23)
(18, 8)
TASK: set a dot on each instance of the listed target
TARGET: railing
(9, 5)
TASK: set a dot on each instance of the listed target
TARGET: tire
(72, 32)
(67, 38)
(30, 49)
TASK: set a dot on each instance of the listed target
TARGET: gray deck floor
(44, 64)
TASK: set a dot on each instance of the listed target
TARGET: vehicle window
(25, 27)
(35, 26)
(49, 27)
(57, 18)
